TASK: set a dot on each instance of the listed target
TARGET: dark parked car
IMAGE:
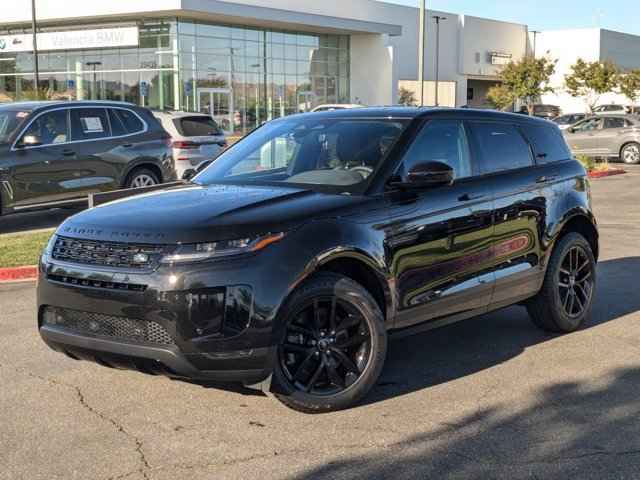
(55, 153)
(288, 262)
(547, 112)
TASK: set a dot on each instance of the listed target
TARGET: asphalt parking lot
(489, 398)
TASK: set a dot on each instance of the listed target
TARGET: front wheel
(333, 347)
(566, 299)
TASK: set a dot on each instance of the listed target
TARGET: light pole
(95, 78)
(438, 19)
(36, 78)
(535, 41)
(421, 51)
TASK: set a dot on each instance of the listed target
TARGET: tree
(629, 86)
(528, 79)
(406, 97)
(500, 97)
(591, 80)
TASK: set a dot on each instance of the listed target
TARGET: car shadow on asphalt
(586, 429)
(456, 351)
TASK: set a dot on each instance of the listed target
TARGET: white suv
(195, 137)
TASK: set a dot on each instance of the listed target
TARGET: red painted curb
(18, 273)
(607, 173)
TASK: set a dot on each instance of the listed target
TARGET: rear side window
(196, 126)
(117, 127)
(130, 120)
(499, 147)
(548, 144)
(614, 122)
(89, 123)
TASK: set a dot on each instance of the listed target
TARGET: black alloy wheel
(333, 345)
(575, 282)
(327, 347)
(566, 299)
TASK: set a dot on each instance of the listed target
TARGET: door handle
(545, 179)
(68, 153)
(469, 197)
(127, 145)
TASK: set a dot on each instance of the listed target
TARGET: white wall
(374, 78)
(591, 45)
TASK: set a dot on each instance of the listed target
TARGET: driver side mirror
(30, 140)
(427, 174)
(571, 130)
(192, 172)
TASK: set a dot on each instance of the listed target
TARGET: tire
(141, 177)
(345, 361)
(630, 153)
(555, 308)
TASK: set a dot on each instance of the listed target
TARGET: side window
(548, 143)
(130, 120)
(89, 123)
(588, 125)
(614, 122)
(440, 141)
(50, 128)
(500, 147)
(117, 127)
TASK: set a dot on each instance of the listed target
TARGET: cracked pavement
(488, 398)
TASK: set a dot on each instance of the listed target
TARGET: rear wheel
(142, 177)
(630, 153)
(333, 348)
(566, 299)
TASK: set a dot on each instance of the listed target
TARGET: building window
(242, 76)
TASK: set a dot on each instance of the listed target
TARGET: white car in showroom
(196, 138)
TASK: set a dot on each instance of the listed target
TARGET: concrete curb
(17, 274)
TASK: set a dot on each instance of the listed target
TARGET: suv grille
(109, 326)
(107, 254)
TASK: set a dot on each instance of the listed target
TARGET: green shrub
(587, 162)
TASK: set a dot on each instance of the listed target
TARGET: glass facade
(241, 76)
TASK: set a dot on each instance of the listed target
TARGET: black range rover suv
(288, 262)
(53, 154)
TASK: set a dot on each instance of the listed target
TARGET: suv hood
(196, 213)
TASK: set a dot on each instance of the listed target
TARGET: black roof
(39, 105)
(425, 112)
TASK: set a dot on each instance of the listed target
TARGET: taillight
(185, 145)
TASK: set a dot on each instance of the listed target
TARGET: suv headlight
(198, 252)
(48, 249)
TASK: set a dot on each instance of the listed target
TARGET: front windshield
(10, 122)
(334, 152)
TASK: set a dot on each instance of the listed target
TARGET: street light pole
(421, 51)
(535, 42)
(36, 77)
(438, 19)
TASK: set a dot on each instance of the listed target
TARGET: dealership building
(248, 61)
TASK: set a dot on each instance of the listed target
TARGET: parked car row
(54, 154)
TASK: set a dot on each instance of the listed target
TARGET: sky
(620, 15)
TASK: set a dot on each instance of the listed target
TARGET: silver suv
(612, 136)
(196, 138)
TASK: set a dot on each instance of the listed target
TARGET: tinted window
(548, 143)
(196, 126)
(614, 123)
(588, 125)
(50, 128)
(310, 150)
(441, 141)
(500, 147)
(117, 127)
(9, 123)
(130, 120)
(89, 123)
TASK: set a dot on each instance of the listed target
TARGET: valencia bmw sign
(72, 40)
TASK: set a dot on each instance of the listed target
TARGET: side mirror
(189, 173)
(31, 141)
(192, 172)
(571, 130)
(428, 174)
